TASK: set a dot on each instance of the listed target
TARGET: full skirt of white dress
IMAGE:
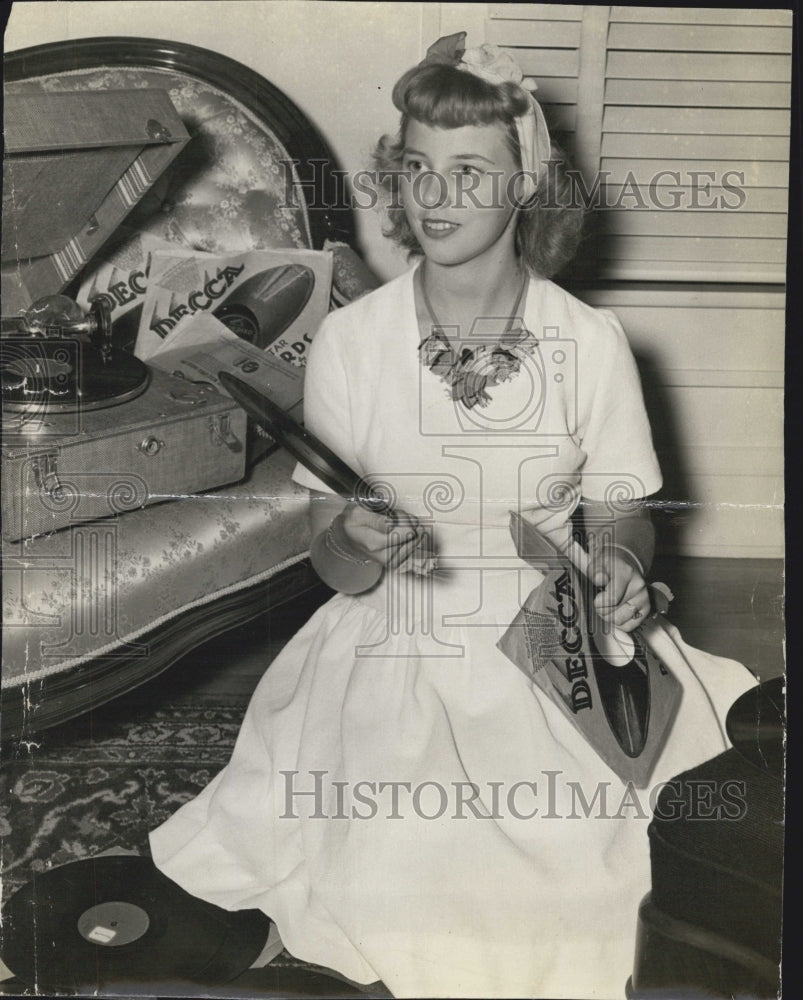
(407, 807)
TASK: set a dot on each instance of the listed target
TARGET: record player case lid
(75, 164)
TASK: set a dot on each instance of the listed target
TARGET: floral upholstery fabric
(350, 276)
(61, 609)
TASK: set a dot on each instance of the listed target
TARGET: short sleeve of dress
(617, 439)
(326, 407)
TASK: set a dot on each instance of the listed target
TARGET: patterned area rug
(80, 793)
(102, 782)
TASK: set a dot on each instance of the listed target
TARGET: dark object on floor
(712, 923)
(109, 922)
(756, 725)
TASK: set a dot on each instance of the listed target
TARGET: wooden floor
(729, 607)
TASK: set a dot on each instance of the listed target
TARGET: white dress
(401, 801)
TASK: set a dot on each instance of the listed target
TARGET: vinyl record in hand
(307, 449)
(117, 920)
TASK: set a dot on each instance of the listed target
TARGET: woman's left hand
(624, 601)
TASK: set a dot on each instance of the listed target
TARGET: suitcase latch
(220, 429)
(45, 475)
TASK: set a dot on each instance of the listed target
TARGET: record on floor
(117, 920)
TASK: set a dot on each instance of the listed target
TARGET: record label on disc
(113, 924)
(117, 920)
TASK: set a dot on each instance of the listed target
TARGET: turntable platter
(65, 375)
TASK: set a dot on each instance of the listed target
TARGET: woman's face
(458, 190)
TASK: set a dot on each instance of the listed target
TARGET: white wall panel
(714, 385)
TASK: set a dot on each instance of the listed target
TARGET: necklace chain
(439, 326)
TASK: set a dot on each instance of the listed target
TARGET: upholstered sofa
(96, 608)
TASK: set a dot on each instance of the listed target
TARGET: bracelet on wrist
(340, 545)
(341, 564)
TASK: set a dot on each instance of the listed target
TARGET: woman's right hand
(388, 539)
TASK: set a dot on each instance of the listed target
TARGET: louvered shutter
(683, 117)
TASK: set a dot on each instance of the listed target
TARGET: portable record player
(90, 431)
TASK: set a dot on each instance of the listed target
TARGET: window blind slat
(738, 224)
(661, 145)
(702, 198)
(700, 15)
(535, 12)
(729, 272)
(691, 121)
(756, 174)
(690, 66)
(541, 63)
(762, 199)
(765, 299)
(698, 93)
(557, 34)
(700, 38)
(701, 249)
